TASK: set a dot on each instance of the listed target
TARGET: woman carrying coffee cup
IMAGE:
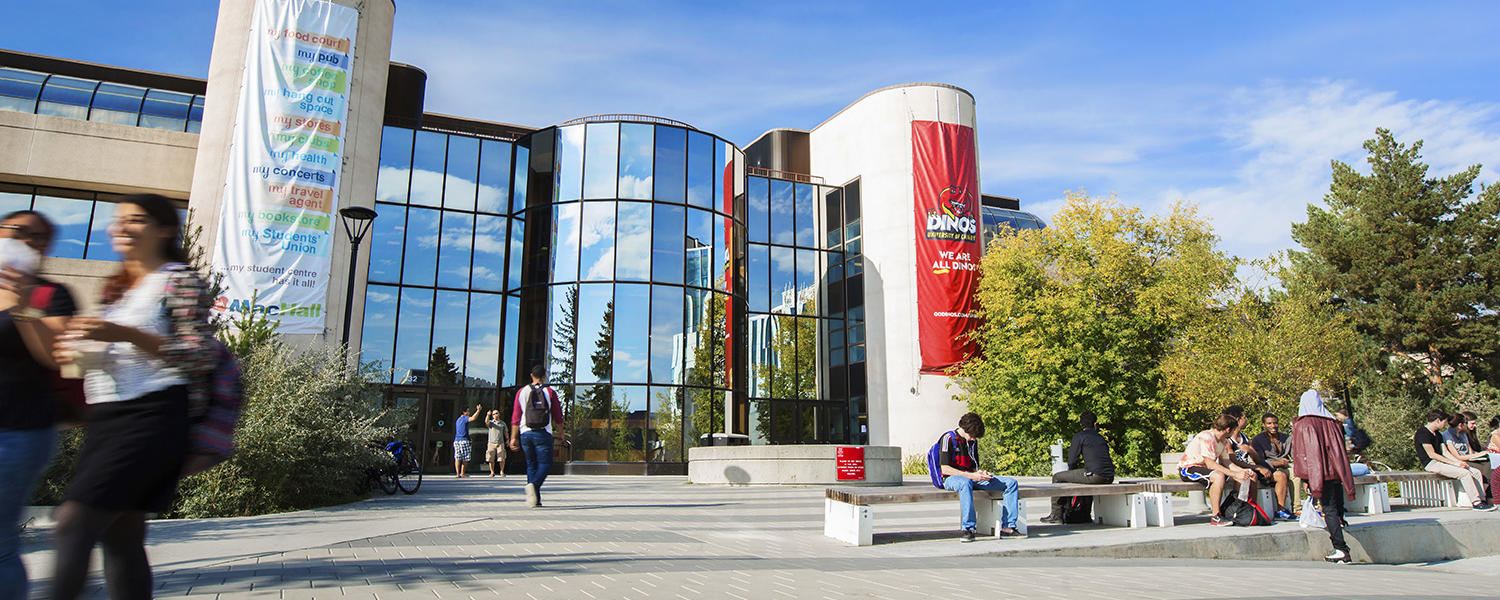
(33, 312)
(154, 327)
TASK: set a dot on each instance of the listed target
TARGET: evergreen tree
(1414, 259)
(440, 368)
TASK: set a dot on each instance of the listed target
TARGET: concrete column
(361, 156)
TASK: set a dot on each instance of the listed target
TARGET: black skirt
(133, 453)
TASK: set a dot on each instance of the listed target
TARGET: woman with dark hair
(1493, 448)
(151, 342)
(33, 312)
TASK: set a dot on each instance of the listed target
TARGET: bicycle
(404, 472)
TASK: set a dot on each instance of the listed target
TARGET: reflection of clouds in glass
(782, 261)
(390, 184)
(483, 273)
(567, 225)
(491, 198)
(634, 241)
(628, 360)
(698, 195)
(65, 212)
(483, 359)
(421, 300)
(603, 268)
(635, 187)
(373, 296)
(426, 187)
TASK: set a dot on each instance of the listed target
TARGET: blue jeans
(965, 488)
(537, 445)
(23, 456)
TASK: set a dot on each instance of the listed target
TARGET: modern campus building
(676, 284)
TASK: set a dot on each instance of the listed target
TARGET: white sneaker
(531, 499)
(1338, 557)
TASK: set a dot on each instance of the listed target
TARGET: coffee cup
(86, 354)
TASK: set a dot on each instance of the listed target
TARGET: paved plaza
(660, 537)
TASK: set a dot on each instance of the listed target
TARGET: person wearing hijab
(1319, 459)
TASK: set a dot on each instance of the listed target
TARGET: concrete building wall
(105, 157)
(871, 139)
(372, 57)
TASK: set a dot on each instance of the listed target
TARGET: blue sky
(1236, 108)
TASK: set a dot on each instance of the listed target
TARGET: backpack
(1078, 509)
(1360, 439)
(213, 420)
(934, 468)
(538, 409)
(1244, 513)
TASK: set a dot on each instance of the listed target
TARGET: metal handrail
(798, 177)
(609, 117)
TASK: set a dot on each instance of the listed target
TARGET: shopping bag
(1311, 518)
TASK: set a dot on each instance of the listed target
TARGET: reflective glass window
(833, 219)
(19, 89)
(758, 204)
(100, 247)
(600, 159)
(760, 422)
(70, 217)
(482, 353)
(851, 202)
(718, 318)
(697, 329)
(512, 341)
(11, 201)
(565, 219)
(698, 252)
(704, 414)
(664, 433)
(807, 358)
(462, 173)
(449, 326)
(562, 332)
(453, 250)
(517, 246)
(166, 110)
(722, 253)
(666, 244)
(671, 148)
(597, 249)
(569, 171)
(807, 211)
(633, 242)
(386, 243)
(378, 339)
(494, 176)
(635, 161)
(628, 423)
(632, 333)
(488, 271)
(413, 332)
(590, 433)
(519, 179)
(782, 215)
(118, 104)
(807, 282)
(66, 97)
(395, 165)
(700, 169)
(721, 175)
(758, 278)
(596, 332)
(195, 115)
(783, 280)
(666, 335)
(427, 168)
(420, 260)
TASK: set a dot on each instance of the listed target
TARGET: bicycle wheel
(387, 479)
(408, 471)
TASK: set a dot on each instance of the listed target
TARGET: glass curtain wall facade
(80, 217)
(627, 287)
(93, 100)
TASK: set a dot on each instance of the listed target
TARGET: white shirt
(127, 372)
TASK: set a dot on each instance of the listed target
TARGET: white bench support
(997, 518)
(1430, 493)
(1158, 508)
(1265, 496)
(1371, 499)
(1127, 510)
(848, 523)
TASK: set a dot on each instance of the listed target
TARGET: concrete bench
(1371, 495)
(848, 513)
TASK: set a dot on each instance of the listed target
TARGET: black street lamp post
(357, 221)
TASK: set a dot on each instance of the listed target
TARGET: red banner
(946, 190)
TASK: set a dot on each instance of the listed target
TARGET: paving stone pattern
(658, 537)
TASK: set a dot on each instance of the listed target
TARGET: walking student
(1097, 467)
(462, 449)
(540, 410)
(1319, 458)
(33, 312)
(139, 357)
(958, 463)
(494, 451)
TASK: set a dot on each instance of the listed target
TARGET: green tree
(1080, 316)
(707, 370)
(440, 368)
(1260, 350)
(1415, 259)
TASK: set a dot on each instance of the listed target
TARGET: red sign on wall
(946, 190)
(850, 463)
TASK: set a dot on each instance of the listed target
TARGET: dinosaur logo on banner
(953, 219)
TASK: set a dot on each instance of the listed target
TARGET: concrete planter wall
(787, 465)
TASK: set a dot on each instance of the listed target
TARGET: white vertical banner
(278, 210)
